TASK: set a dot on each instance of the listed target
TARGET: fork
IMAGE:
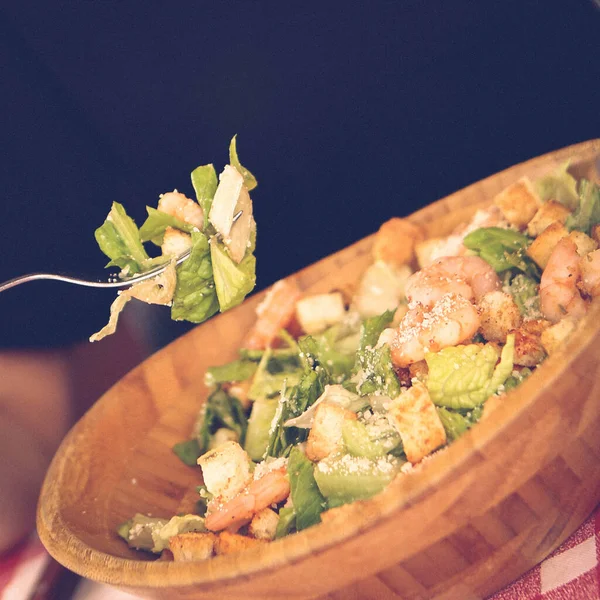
(111, 283)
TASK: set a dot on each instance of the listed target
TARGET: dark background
(347, 113)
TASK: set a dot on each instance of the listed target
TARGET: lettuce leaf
(233, 282)
(525, 293)
(153, 228)
(195, 297)
(560, 186)
(237, 370)
(377, 375)
(503, 249)
(463, 377)
(188, 452)
(249, 179)
(286, 523)
(119, 238)
(204, 180)
(308, 501)
(456, 423)
(587, 213)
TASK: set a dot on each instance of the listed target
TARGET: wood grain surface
(471, 519)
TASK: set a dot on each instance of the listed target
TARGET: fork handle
(65, 278)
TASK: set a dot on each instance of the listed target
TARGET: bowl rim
(360, 516)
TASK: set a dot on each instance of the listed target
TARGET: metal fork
(112, 283)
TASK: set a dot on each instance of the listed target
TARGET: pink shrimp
(559, 294)
(180, 206)
(271, 488)
(468, 276)
(452, 321)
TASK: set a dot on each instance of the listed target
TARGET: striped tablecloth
(571, 572)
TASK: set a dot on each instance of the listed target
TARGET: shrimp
(271, 488)
(467, 276)
(590, 273)
(451, 321)
(179, 206)
(274, 313)
(559, 295)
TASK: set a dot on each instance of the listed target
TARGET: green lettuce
(153, 228)
(237, 370)
(560, 186)
(457, 423)
(220, 411)
(377, 375)
(204, 180)
(233, 282)
(119, 238)
(587, 213)
(286, 523)
(463, 377)
(195, 298)
(503, 249)
(525, 293)
(307, 500)
(188, 452)
(234, 161)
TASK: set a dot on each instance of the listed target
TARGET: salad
(219, 230)
(335, 395)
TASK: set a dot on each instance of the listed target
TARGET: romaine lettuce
(249, 179)
(587, 213)
(204, 180)
(560, 186)
(153, 228)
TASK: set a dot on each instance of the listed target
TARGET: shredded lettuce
(195, 298)
(503, 249)
(153, 228)
(119, 238)
(233, 282)
(308, 501)
(249, 179)
(463, 377)
(560, 186)
(204, 180)
(587, 212)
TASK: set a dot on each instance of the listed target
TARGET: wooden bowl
(473, 518)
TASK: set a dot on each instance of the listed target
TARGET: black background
(347, 113)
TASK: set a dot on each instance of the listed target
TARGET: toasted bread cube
(395, 241)
(326, 433)
(226, 470)
(430, 250)
(264, 524)
(175, 242)
(585, 244)
(230, 543)
(414, 415)
(547, 214)
(541, 248)
(192, 546)
(316, 313)
(518, 202)
(499, 315)
(554, 337)
(529, 351)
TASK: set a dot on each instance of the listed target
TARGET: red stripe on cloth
(22, 552)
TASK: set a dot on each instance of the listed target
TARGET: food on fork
(218, 228)
(332, 398)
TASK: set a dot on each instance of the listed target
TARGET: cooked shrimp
(559, 295)
(467, 276)
(271, 488)
(179, 206)
(274, 313)
(452, 321)
(590, 273)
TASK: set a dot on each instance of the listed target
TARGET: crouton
(226, 470)
(395, 241)
(541, 248)
(326, 432)
(229, 543)
(414, 415)
(175, 242)
(264, 524)
(192, 546)
(316, 313)
(585, 244)
(499, 315)
(554, 337)
(547, 214)
(518, 202)
(430, 250)
(535, 326)
(529, 351)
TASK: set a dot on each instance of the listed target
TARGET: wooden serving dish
(472, 519)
